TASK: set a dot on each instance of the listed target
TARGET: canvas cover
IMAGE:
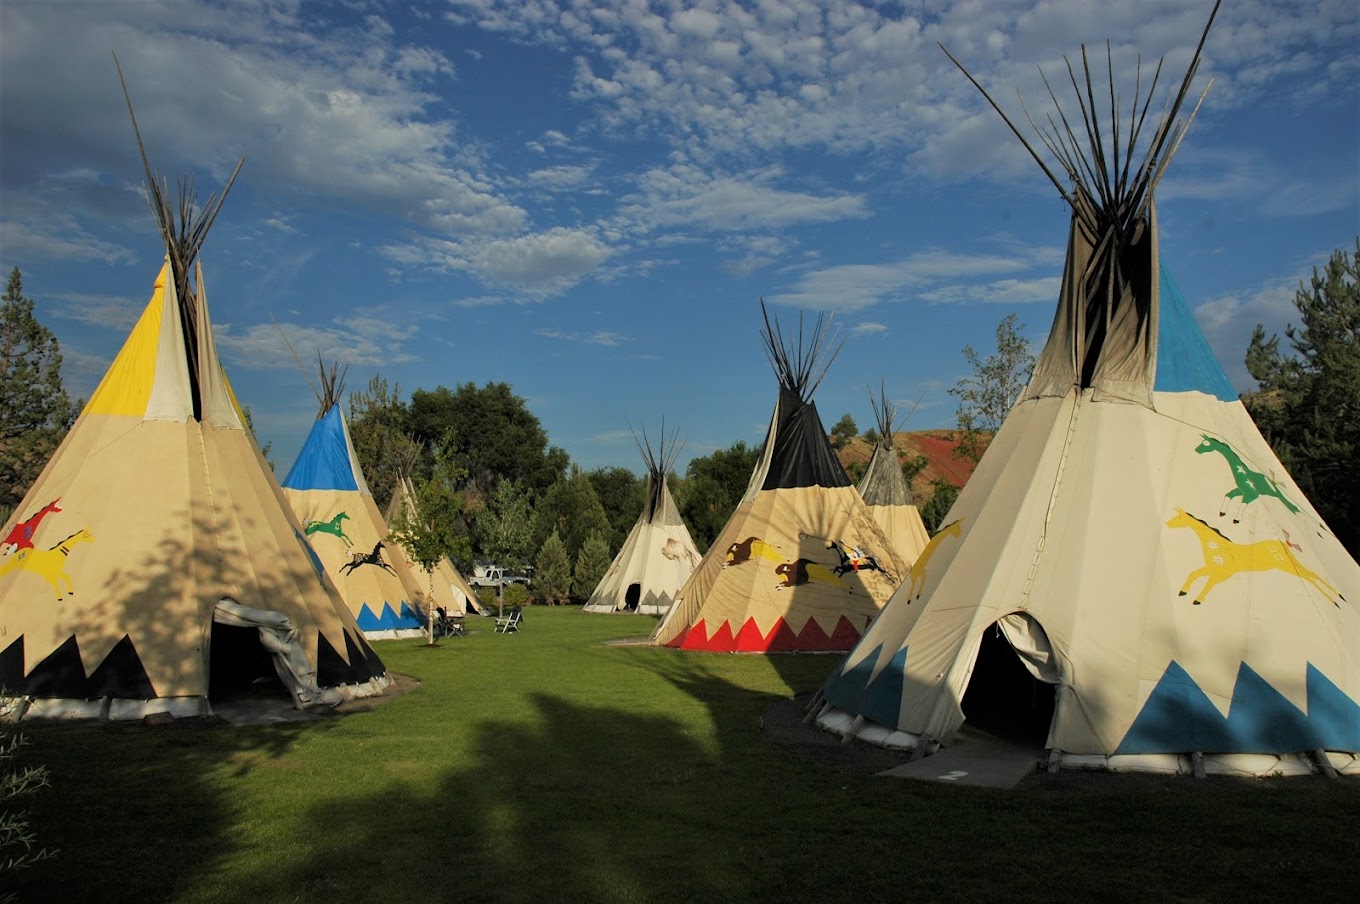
(450, 590)
(1153, 561)
(884, 489)
(330, 497)
(654, 562)
(800, 565)
(144, 519)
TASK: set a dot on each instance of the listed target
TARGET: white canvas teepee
(1129, 532)
(451, 591)
(884, 487)
(801, 564)
(155, 556)
(658, 556)
(328, 493)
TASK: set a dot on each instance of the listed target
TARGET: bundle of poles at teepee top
(800, 365)
(1169, 600)
(184, 224)
(659, 462)
(1109, 189)
(658, 555)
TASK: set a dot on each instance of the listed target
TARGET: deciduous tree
(844, 431)
(380, 428)
(986, 397)
(712, 487)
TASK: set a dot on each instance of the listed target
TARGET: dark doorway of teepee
(1003, 698)
(632, 596)
(240, 668)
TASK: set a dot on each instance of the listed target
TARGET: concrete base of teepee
(975, 757)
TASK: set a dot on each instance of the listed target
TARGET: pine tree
(35, 410)
(552, 571)
(1309, 403)
(591, 564)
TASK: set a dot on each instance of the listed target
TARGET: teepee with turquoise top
(1130, 555)
(329, 495)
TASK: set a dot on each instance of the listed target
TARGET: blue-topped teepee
(1129, 531)
(329, 495)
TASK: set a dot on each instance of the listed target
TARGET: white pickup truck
(494, 576)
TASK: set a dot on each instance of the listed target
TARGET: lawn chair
(446, 625)
(509, 624)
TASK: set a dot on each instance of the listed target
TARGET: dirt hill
(936, 445)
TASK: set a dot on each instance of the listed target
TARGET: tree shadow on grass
(575, 803)
(156, 798)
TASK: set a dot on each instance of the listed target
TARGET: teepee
(155, 559)
(658, 555)
(451, 591)
(884, 488)
(328, 493)
(1129, 538)
(801, 564)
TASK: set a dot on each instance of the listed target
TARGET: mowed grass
(547, 766)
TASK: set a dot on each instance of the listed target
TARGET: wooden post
(1324, 765)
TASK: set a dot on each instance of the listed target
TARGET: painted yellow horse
(917, 576)
(50, 564)
(1223, 558)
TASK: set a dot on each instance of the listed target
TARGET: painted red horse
(21, 536)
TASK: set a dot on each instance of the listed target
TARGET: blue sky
(588, 200)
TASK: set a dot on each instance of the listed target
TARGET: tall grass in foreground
(546, 766)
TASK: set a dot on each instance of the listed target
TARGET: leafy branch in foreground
(17, 839)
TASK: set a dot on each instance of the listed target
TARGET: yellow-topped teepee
(155, 558)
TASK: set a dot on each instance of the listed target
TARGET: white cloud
(352, 339)
(541, 264)
(599, 337)
(341, 113)
(117, 313)
(1228, 322)
(936, 276)
(684, 195)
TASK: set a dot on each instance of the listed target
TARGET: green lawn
(546, 766)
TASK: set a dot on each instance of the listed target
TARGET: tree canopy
(1308, 406)
(491, 431)
(35, 411)
(380, 427)
(712, 487)
(986, 397)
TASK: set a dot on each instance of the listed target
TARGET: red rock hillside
(936, 445)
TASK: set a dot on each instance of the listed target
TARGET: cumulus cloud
(542, 264)
(936, 276)
(345, 113)
(687, 195)
(353, 339)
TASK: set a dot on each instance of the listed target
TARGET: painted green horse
(1251, 485)
(334, 527)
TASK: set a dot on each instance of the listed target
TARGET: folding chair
(509, 624)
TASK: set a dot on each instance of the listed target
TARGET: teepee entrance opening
(1004, 696)
(632, 596)
(239, 667)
